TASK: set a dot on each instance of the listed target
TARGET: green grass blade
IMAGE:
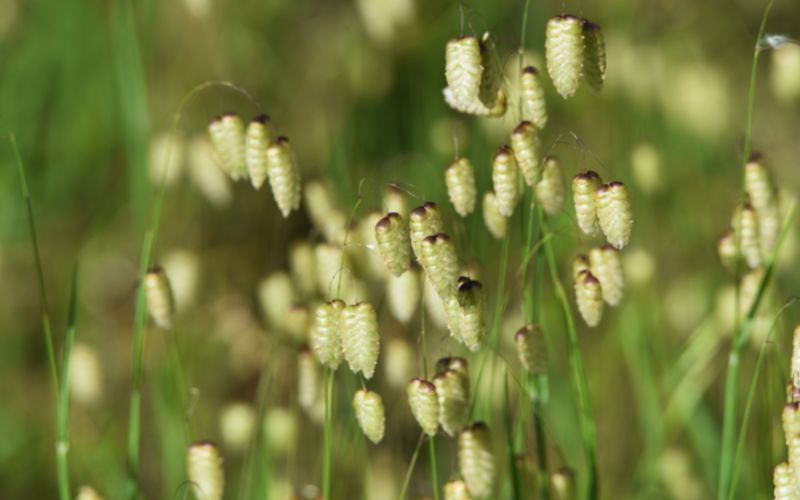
(62, 444)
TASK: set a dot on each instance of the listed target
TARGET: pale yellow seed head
(614, 213)
(551, 191)
(531, 348)
(368, 407)
(606, 265)
(456, 490)
(580, 263)
(472, 314)
(476, 459)
(236, 425)
(399, 362)
(459, 177)
(565, 53)
(584, 196)
(402, 294)
(303, 267)
(563, 482)
(527, 149)
(424, 404)
(795, 366)
(424, 221)
(440, 262)
(85, 375)
(309, 386)
(167, 159)
(534, 108)
(594, 55)
(360, 339)
(257, 140)
(745, 223)
(589, 297)
(160, 301)
(726, 248)
(204, 466)
(473, 80)
(452, 390)
(206, 174)
(394, 200)
(88, 493)
(392, 236)
(784, 482)
(284, 176)
(298, 322)
(505, 177)
(326, 333)
(785, 72)
(495, 222)
(276, 295)
(228, 140)
(362, 244)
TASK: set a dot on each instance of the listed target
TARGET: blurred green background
(88, 87)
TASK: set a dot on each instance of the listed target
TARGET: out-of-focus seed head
(456, 490)
(726, 248)
(745, 223)
(452, 390)
(276, 295)
(606, 265)
(614, 213)
(284, 176)
(584, 195)
(440, 262)
(476, 459)
(360, 339)
(496, 223)
(368, 407)
(534, 108)
(402, 295)
(236, 424)
(424, 221)
(326, 333)
(206, 174)
(363, 246)
(551, 191)
(790, 418)
(399, 362)
(453, 363)
(505, 177)
(85, 375)
(563, 482)
(784, 482)
(257, 140)
(392, 236)
(227, 136)
(580, 263)
(459, 177)
(394, 200)
(297, 324)
(88, 493)
(527, 151)
(589, 297)
(531, 348)
(167, 159)
(565, 53)
(594, 55)
(303, 267)
(472, 314)
(160, 301)
(424, 404)
(795, 365)
(309, 383)
(335, 278)
(204, 466)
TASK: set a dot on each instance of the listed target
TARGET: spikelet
(284, 176)
(494, 220)
(236, 425)
(565, 53)
(505, 177)
(280, 430)
(726, 248)
(472, 314)
(614, 213)
(368, 406)
(424, 404)
(394, 200)
(363, 247)
(580, 263)
(204, 466)
(550, 191)
(594, 55)
(360, 339)
(85, 375)
(452, 312)
(228, 139)
(205, 173)
(459, 177)
(402, 295)
(257, 139)
(463, 70)
(399, 362)
(452, 390)
(532, 95)
(794, 458)
(607, 267)
(795, 364)
(160, 301)
(527, 150)
(440, 262)
(392, 236)
(784, 482)
(424, 221)
(745, 223)
(303, 267)
(589, 297)
(323, 212)
(326, 333)
(476, 459)
(761, 190)
(459, 365)
(276, 295)
(456, 490)
(584, 195)
(335, 277)
(309, 382)
(297, 322)
(88, 493)
(563, 482)
(531, 348)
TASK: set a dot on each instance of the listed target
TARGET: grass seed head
(402, 295)
(473, 80)
(584, 196)
(368, 407)
(505, 177)
(424, 404)
(276, 295)
(424, 221)
(309, 383)
(456, 490)
(394, 200)
(257, 140)
(580, 263)
(227, 136)
(472, 314)
(360, 339)
(496, 223)
(459, 177)
(399, 362)
(303, 267)
(550, 191)
(204, 466)
(565, 53)
(614, 213)
(527, 149)
(534, 108)
(745, 223)
(606, 265)
(795, 365)
(726, 248)
(790, 418)
(88, 493)
(531, 348)
(326, 333)
(594, 55)
(452, 390)
(476, 459)
(160, 301)
(440, 262)
(392, 235)
(206, 174)
(563, 482)
(589, 297)
(85, 375)
(284, 176)
(784, 482)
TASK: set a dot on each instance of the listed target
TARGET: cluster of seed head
(575, 52)
(256, 154)
(204, 466)
(160, 299)
(473, 82)
(326, 333)
(602, 208)
(370, 415)
(589, 297)
(787, 474)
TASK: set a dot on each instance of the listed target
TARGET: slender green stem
(410, 469)
(62, 445)
(434, 471)
(327, 458)
(510, 448)
(588, 432)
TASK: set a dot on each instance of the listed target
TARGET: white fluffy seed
(424, 404)
(204, 466)
(257, 140)
(584, 196)
(550, 191)
(476, 459)
(284, 176)
(228, 139)
(160, 301)
(459, 177)
(565, 53)
(527, 151)
(589, 297)
(368, 407)
(534, 108)
(505, 177)
(606, 266)
(360, 339)
(614, 213)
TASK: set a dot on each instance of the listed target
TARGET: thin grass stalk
(431, 440)
(258, 445)
(434, 472)
(327, 457)
(62, 444)
(588, 432)
(410, 469)
(510, 448)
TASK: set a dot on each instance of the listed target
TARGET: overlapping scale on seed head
(505, 178)
(257, 140)
(496, 223)
(614, 213)
(589, 297)
(284, 176)
(584, 195)
(424, 221)
(368, 407)
(360, 339)
(326, 333)
(392, 235)
(476, 459)
(531, 348)
(227, 136)
(565, 53)
(550, 190)
(472, 314)
(607, 267)
(452, 391)
(204, 466)
(594, 55)
(160, 300)
(534, 108)
(440, 262)
(527, 148)
(424, 403)
(459, 177)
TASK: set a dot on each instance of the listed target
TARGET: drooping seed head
(527, 151)
(476, 459)
(606, 265)
(284, 176)
(85, 375)
(298, 322)
(589, 297)
(550, 191)
(565, 53)
(440, 262)
(204, 466)
(745, 223)
(531, 348)
(257, 140)
(594, 55)
(363, 246)
(424, 221)
(368, 407)
(456, 490)
(584, 195)
(424, 404)
(473, 80)
(392, 236)
(495, 222)
(326, 333)
(459, 177)
(167, 158)
(227, 136)
(402, 295)
(160, 301)
(472, 314)
(323, 212)
(206, 173)
(532, 95)
(452, 390)
(614, 213)
(360, 339)
(505, 177)
(758, 182)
